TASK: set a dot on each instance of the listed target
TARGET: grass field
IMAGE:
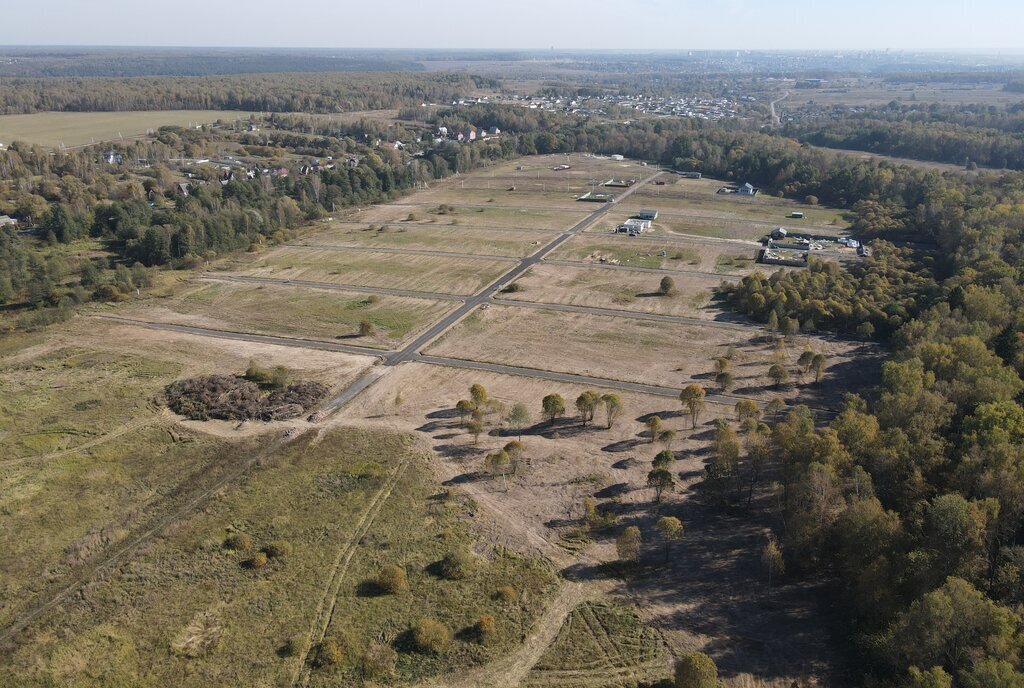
(53, 129)
(618, 289)
(506, 242)
(500, 216)
(290, 311)
(678, 255)
(621, 348)
(189, 611)
(436, 274)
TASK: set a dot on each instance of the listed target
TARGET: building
(618, 157)
(596, 197)
(689, 175)
(648, 214)
(796, 215)
(779, 233)
(633, 226)
(183, 188)
(7, 221)
(620, 183)
(747, 190)
(112, 158)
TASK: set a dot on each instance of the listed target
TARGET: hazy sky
(964, 25)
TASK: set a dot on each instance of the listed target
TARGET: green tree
(654, 427)
(586, 404)
(724, 380)
(476, 428)
(478, 394)
(771, 559)
(627, 544)
(553, 407)
(664, 459)
(692, 398)
(660, 481)
(667, 287)
(778, 374)
(464, 407)
(747, 408)
(519, 417)
(613, 407)
(670, 529)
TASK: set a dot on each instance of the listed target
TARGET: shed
(647, 215)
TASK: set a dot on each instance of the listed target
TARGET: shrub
(279, 549)
(291, 648)
(506, 593)
(485, 628)
(366, 328)
(430, 635)
(392, 580)
(696, 670)
(379, 661)
(257, 561)
(227, 397)
(458, 565)
(328, 653)
(240, 542)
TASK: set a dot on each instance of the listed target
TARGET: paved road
(634, 268)
(250, 337)
(221, 277)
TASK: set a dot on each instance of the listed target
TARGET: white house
(6, 220)
(747, 190)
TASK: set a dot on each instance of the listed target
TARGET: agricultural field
(469, 216)
(511, 243)
(55, 129)
(280, 309)
(425, 273)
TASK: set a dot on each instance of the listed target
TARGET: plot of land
(54, 129)
(731, 206)
(676, 255)
(436, 274)
(620, 348)
(296, 312)
(618, 289)
(501, 216)
(506, 242)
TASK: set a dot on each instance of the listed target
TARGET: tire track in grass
(329, 599)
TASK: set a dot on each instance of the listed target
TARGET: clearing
(54, 129)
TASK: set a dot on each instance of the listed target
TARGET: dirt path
(329, 599)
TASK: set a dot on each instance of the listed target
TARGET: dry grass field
(435, 274)
(416, 236)
(53, 129)
(279, 309)
(710, 257)
(619, 289)
(622, 348)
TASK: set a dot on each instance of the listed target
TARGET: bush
(257, 561)
(240, 542)
(506, 593)
(485, 628)
(228, 397)
(379, 661)
(279, 549)
(392, 579)
(458, 565)
(696, 670)
(291, 648)
(430, 635)
(328, 653)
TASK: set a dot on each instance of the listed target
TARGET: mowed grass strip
(189, 610)
(65, 512)
(435, 274)
(511, 242)
(297, 312)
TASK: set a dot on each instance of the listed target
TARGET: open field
(639, 350)
(435, 274)
(678, 255)
(92, 377)
(53, 129)
(735, 208)
(618, 289)
(296, 312)
(490, 215)
(416, 236)
(189, 609)
(499, 193)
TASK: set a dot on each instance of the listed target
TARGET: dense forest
(282, 92)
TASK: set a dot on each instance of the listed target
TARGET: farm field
(618, 289)
(635, 350)
(53, 129)
(436, 274)
(506, 242)
(191, 609)
(279, 309)
(642, 253)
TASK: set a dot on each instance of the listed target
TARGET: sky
(978, 26)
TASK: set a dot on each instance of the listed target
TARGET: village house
(6, 220)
